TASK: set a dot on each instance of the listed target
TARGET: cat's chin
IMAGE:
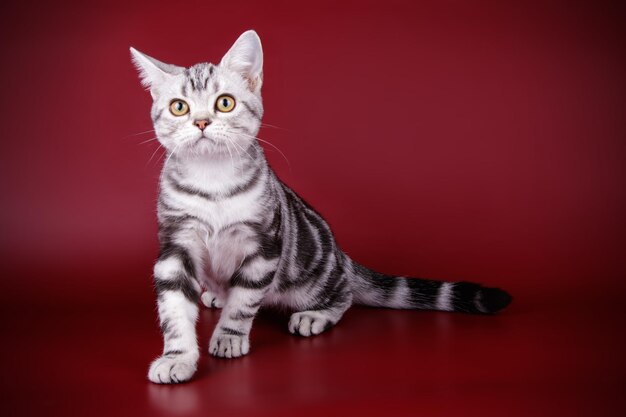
(204, 148)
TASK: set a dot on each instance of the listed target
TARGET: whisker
(171, 153)
(232, 161)
(140, 133)
(265, 141)
(161, 147)
(239, 153)
(148, 140)
(154, 153)
(273, 126)
(241, 147)
(275, 147)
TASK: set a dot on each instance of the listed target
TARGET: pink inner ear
(254, 83)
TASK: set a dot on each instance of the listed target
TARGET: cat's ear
(246, 58)
(151, 71)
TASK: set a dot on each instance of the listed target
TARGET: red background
(482, 141)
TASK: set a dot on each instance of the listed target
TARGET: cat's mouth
(205, 143)
(203, 137)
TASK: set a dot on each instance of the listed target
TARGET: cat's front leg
(248, 286)
(177, 303)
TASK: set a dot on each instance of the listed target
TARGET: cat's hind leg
(333, 300)
(213, 294)
(211, 299)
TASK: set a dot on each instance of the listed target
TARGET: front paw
(228, 345)
(171, 369)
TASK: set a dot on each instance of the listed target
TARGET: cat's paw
(211, 300)
(228, 345)
(309, 323)
(171, 369)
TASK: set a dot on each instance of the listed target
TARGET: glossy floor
(532, 360)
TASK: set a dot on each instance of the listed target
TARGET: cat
(234, 236)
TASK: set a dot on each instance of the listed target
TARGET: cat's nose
(202, 124)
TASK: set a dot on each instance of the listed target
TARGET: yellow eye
(179, 108)
(225, 103)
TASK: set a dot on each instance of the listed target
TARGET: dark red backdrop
(482, 141)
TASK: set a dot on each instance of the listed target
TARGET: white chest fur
(221, 238)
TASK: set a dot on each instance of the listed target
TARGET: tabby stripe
(242, 316)
(247, 186)
(270, 245)
(334, 291)
(182, 284)
(157, 116)
(213, 196)
(307, 247)
(189, 190)
(174, 352)
(325, 270)
(165, 326)
(384, 285)
(239, 281)
(165, 205)
(188, 77)
(251, 110)
(232, 332)
(423, 293)
(176, 222)
(276, 220)
(317, 274)
(168, 330)
(291, 226)
(169, 249)
(325, 240)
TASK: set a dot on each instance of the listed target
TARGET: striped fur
(236, 237)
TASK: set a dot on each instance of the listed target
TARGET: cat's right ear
(151, 71)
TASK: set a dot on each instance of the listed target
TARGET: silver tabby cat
(233, 235)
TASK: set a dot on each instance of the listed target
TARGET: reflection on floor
(529, 361)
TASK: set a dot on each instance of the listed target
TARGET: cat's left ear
(153, 72)
(246, 58)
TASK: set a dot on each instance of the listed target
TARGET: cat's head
(207, 108)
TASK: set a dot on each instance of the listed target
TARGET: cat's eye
(225, 103)
(179, 108)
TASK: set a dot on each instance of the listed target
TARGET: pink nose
(202, 124)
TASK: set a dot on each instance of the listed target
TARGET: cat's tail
(378, 290)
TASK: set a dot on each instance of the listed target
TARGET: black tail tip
(493, 300)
